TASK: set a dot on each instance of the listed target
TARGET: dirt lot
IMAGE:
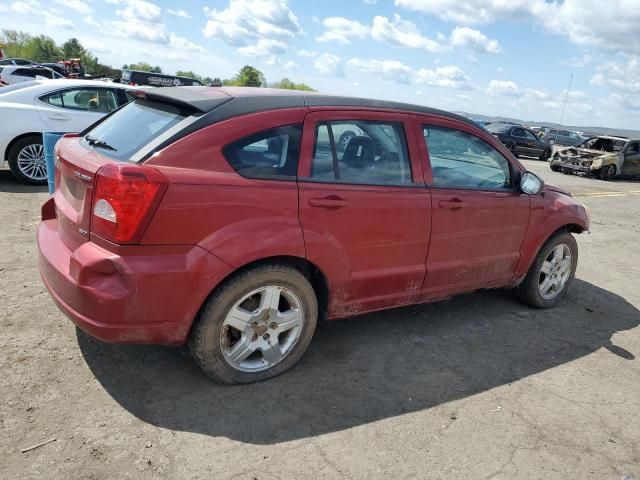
(476, 387)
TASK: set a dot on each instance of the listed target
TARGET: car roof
(244, 100)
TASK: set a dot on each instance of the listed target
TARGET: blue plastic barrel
(49, 140)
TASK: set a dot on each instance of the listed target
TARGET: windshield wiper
(96, 142)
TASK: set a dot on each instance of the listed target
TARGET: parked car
(137, 78)
(605, 157)
(562, 137)
(16, 74)
(16, 61)
(45, 105)
(520, 140)
(227, 219)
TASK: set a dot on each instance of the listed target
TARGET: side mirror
(531, 184)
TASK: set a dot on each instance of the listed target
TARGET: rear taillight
(125, 198)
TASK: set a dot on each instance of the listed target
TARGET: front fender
(550, 212)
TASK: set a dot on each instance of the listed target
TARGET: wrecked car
(606, 157)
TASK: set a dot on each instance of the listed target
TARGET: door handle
(332, 202)
(454, 204)
(58, 117)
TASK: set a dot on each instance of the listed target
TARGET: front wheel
(256, 326)
(552, 272)
(607, 172)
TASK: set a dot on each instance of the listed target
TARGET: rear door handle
(452, 204)
(332, 202)
(58, 117)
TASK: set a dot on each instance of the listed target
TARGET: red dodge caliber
(233, 219)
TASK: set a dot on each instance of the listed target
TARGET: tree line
(43, 49)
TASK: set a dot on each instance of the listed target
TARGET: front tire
(552, 272)
(26, 161)
(255, 326)
(607, 172)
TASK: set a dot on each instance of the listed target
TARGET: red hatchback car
(233, 219)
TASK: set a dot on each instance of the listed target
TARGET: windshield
(131, 128)
(498, 127)
(604, 144)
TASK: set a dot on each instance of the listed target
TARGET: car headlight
(597, 163)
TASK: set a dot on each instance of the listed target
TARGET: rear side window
(361, 152)
(131, 128)
(461, 160)
(271, 153)
(25, 72)
(100, 100)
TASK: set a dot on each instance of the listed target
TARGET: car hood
(583, 154)
(555, 189)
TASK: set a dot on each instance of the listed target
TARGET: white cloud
(390, 69)
(622, 77)
(578, 62)
(306, 53)
(264, 46)
(341, 30)
(401, 33)
(370, 2)
(537, 94)
(328, 64)
(179, 13)
(503, 87)
(469, 12)
(244, 21)
(447, 77)
(140, 19)
(475, 40)
(77, 5)
(52, 19)
(182, 43)
(22, 7)
(89, 20)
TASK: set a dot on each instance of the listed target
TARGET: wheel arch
(17, 139)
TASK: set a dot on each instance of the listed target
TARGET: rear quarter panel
(237, 219)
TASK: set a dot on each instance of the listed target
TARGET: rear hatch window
(124, 133)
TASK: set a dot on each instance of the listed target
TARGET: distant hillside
(595, 130)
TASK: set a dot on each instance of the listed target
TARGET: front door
(364, 208)
(631, 163)
(479, 217)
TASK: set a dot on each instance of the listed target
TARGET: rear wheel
(26, 160)
(545, 155)
(607, 172)
(551, 274)
(255, 326)
(512, 149)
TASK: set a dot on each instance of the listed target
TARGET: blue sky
(491, 57)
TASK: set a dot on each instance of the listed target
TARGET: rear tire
(214, 341)
(530, 290)
(607, 172)
(545, 155)
(26, 161)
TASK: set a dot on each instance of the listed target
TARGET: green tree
(72, 48)
(248, 76)
(14, 43)
(42, 49)
(143, 66)
(287, 84)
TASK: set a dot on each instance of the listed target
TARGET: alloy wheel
(262, 328)
(555, 272)
(31, 162)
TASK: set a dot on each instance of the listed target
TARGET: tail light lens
(125, 199)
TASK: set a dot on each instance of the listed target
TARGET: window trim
(514, 174)
(267, 176)
(334, 153)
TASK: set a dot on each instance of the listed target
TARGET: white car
(28, 110)
(11, 74)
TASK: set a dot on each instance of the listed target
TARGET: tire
(343, 141)
(28, 147)
(529, 290)
(545, 155)
(210, 342)
(554, 168)
(512, 148)
(607, 172)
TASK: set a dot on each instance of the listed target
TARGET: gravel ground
(476, 387)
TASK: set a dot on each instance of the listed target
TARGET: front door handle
(58, 117)
(454, 204)
(331, 202)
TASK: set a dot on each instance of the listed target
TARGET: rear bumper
(149, 295)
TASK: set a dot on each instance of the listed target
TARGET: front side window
(529, 135)
(361, 152)
(517, 132)
(25, 72)
(269, 153)
(462, 160)
(100, 100)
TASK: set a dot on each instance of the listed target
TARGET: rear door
(520, 141)
(535, 146)
(479, 217)
(74, 109)
(364, 208)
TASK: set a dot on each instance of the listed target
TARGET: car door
(479, 216)
(74, 109)
(535, 146)
(364, 208)
(520, 141)
(631, 163)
